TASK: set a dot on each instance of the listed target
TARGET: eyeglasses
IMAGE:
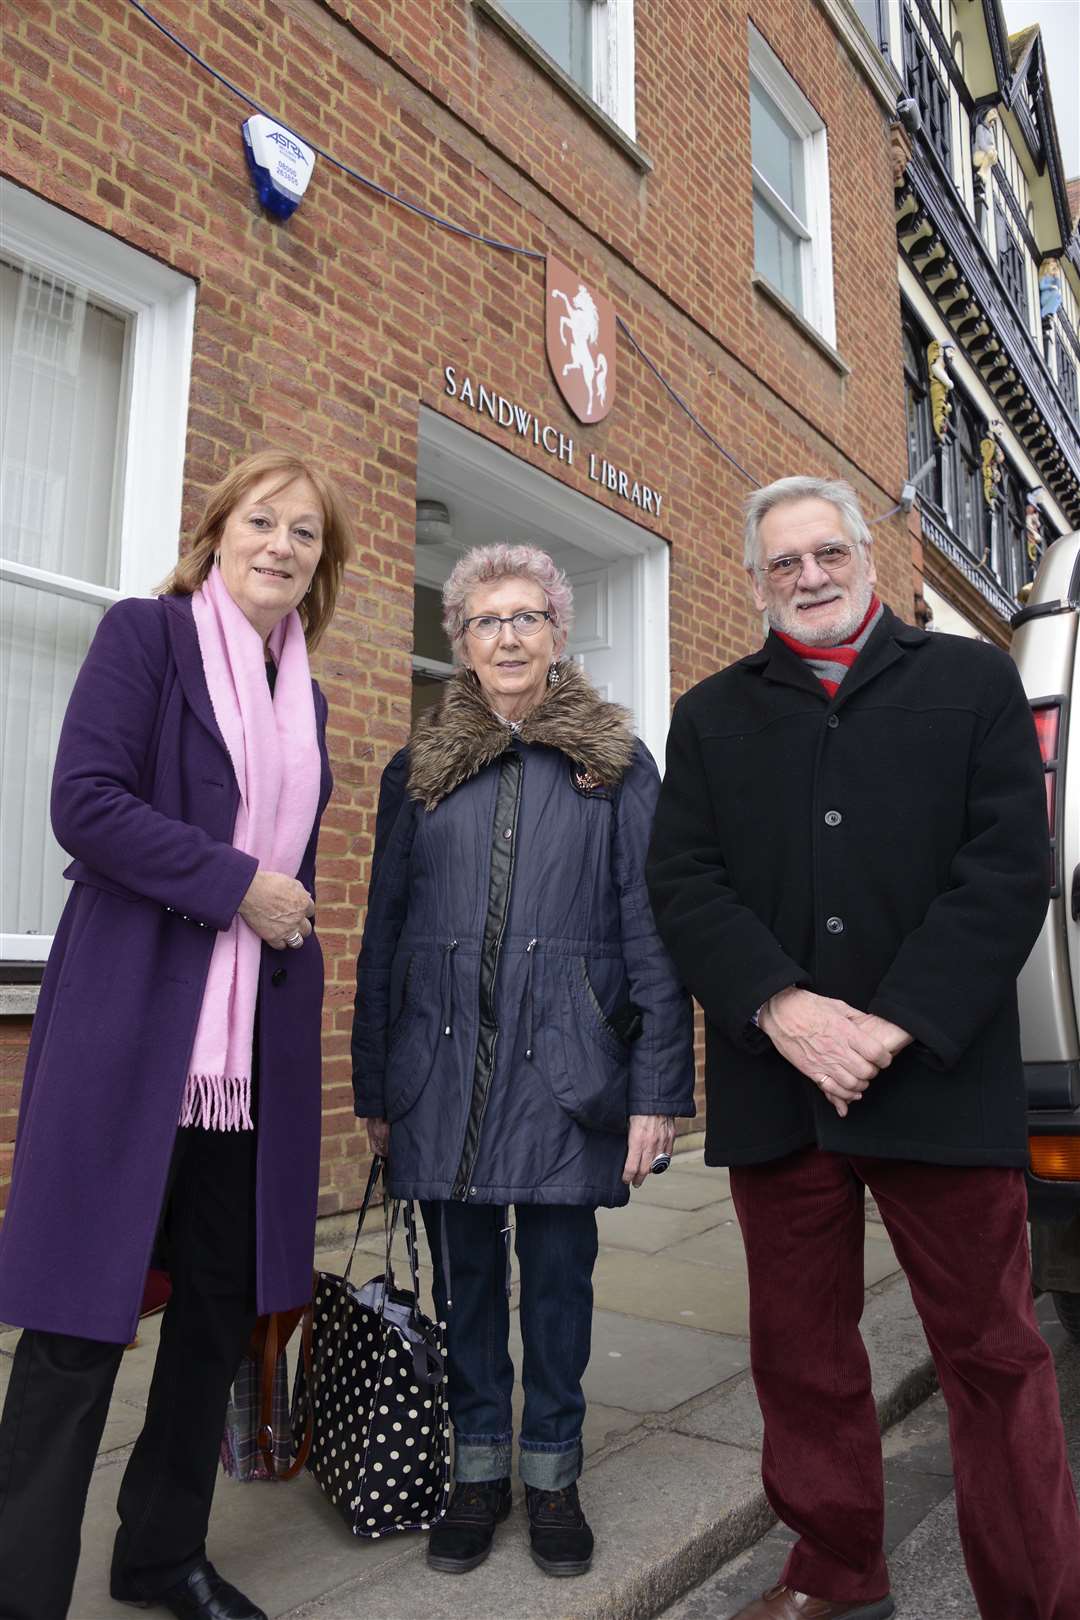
(527, 623)
(833, 557)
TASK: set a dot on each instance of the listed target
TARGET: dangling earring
(217, 559)
(553, 677)
(307, 593)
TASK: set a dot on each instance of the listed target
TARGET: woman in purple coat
(171, 1104)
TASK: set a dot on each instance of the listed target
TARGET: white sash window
(95, 346)
(792, 216)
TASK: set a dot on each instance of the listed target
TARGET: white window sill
(570, 87)
(19, 1000)
(777, 299)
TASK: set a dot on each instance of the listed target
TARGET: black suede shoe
(560, 1539)
(202, 1595)
(462, 1538)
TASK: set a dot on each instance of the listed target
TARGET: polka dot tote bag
(381, 1434)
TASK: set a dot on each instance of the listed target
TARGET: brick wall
(332, 329)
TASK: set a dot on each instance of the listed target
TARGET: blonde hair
(317, 608)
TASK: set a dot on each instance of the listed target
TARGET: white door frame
(511, 485)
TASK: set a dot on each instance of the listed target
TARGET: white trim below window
(815, 232)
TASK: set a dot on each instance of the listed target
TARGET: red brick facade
(333, 328)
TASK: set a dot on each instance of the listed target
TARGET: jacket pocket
(413, 1038)
(592, 1005)
(586, 1064)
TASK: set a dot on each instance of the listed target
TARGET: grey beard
(788, 622)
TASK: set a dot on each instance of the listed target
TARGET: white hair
(836, 491)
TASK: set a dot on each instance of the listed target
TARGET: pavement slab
(653, 1510)
(672, 1434)
(682, 1189)
(650, 1227)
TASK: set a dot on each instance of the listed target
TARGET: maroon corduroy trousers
(960, 1234)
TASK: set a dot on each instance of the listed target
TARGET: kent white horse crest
(580, 328)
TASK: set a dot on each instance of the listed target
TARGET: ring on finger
(822, 1079)
(294, 941)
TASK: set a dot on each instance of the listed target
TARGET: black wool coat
(888, 846)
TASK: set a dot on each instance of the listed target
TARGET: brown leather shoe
(783, 1603)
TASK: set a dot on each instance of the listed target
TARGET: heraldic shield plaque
(580, 328)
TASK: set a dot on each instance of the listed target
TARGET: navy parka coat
(888, 846)
(145, 799)
(507, 927)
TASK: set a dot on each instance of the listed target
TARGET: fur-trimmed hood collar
(458, 738)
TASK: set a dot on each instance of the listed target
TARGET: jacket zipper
(467, 1164)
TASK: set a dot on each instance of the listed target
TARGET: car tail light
(1047, 716)
(1055, 1158)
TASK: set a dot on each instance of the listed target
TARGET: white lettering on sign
(508, 414)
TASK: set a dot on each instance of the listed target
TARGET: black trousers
(59, 1397)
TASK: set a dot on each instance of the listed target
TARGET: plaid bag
(259, 1442)
(376, 1390)
(241, 1454)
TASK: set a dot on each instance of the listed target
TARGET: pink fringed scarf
(273, 745)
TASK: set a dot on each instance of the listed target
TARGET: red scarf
(831, 664)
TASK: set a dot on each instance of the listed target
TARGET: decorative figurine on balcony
(984, 154)
(1050, 294)
(993, 464)
(939, 357)
(1033, 535)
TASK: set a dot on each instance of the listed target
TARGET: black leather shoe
(202, 1595)
(462, 1538)
(559, 1537)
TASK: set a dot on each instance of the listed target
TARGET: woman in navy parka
(520, 1035)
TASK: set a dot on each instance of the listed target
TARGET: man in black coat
(849, 866)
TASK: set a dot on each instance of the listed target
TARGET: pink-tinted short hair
(483, 565)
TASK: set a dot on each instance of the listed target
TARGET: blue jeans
(556, 1247)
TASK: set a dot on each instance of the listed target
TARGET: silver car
(1046, 648)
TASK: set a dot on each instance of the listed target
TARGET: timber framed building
(989, 261)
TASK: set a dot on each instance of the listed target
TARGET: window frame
(923, 81)
(1008, 560)
(961, 475)
(614, 62)
(160, 303)
(777, 83)
(1011, 262)
(917, 406)
(612, 90)
(880, 35)
(1066, 380)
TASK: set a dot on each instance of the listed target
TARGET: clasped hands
(837, 1047)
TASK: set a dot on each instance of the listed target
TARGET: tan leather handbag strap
(280, 1326)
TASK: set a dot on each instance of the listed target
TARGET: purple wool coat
(145, 799)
